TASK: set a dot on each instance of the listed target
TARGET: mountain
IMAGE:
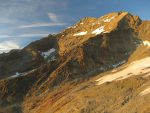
(89, 67)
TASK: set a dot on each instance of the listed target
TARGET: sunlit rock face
(71, 71)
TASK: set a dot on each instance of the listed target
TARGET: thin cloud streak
(32, 35)
(53, 17)
(5, 36)
(22, 36)
(42, 25)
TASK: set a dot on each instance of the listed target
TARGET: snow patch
(118, 64)
(146, 91)
(53, 58)
(146, 43)
(95, 23)
(48, 53)
(69, 27)
(80, 34)
(21, 74)
(133, 69)
(16, 75)
(98, 30)
(74, 26)
(109, 19)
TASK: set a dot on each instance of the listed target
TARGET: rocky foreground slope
(89, 67)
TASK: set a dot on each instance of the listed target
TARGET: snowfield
(146, 91)
(98, 30)
(48, 53)
(146, 43)
(109, 19)
(138, 67)
(21, 74)
(16, 75)
(80, 34)
(119, 63)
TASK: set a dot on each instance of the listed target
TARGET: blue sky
(22, 21)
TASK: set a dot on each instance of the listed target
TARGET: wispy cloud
(24, 20)
(5, 36)
(23, 36)
(32, 35)
(42, 25)
(53, 17)
(8, 45)
(55, 21)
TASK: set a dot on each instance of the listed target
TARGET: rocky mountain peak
(52, 66)
(114, 24)
(90, 27)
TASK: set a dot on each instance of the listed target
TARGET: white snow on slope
(16, 75)
(109, 19)
(98, 30)
(119, 63)
(135, 68)
(96, 23)
(74, 26)
(146, 43)
(53, 58)
(48, 53)
(21, 74)
(146, 91)
(80, 34)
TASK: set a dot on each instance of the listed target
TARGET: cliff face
(63, 63)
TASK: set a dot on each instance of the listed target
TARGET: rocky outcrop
(144, 32)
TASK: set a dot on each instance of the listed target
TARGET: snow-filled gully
(133, 69)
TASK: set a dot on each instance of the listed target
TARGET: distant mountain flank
(47, 71)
